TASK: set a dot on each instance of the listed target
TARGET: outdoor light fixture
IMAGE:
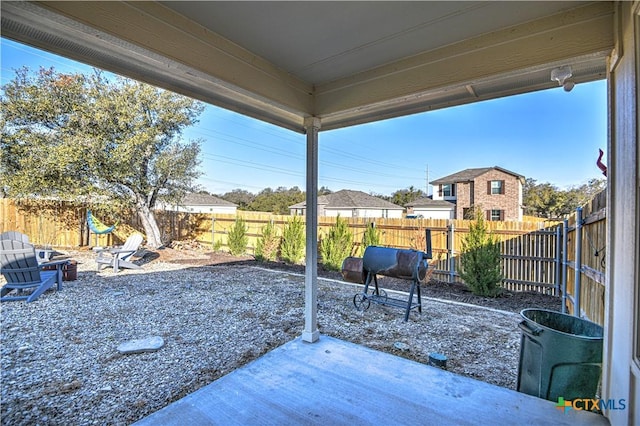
(561, 75)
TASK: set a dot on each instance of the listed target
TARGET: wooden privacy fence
(546, 257)
(63, 224)
(583, 272)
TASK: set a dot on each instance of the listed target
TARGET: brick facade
(477, 194)
(464, 197)
(472, 188)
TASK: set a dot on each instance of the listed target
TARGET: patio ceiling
(343, 62)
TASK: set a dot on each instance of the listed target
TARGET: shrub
(480, 261)
(267, 245)
(371, 237)
(217, 245)
(337, 245)
(293, 241)
(237, 238)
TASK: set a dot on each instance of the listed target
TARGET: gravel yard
(60, 365)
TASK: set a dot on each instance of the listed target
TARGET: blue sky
(551, 136)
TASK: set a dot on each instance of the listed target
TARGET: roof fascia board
(427, 81)
(140, 23)
(579, 32)
(61, 28)
(460, 94)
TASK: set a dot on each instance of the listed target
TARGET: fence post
(451, 252)
(557, 261)
(427, 243)
(213, 230)
(565, 247)
(578, 268)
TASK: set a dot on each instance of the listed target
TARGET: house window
(496, 214)
(447, 190)
(496, 187)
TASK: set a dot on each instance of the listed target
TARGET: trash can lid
(563, 323)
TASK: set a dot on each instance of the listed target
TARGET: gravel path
(60, 365)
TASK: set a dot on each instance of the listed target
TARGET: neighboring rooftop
(428, 202)
(205, 200)
(468, 175)
(351, 199)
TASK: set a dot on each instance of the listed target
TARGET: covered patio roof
(344, 63)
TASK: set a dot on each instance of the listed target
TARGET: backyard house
(347, 203)
(429, 208)
(496, 191)
(343, 68)
(202, 203)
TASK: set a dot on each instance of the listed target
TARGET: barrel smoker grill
(396, 263)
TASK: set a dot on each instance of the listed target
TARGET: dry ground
(216, 313)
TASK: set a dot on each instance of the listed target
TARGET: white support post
(311, 333)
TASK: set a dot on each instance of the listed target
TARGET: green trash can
(560, 355)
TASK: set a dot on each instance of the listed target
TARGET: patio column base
(310, 337)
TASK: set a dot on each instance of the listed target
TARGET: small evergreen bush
(267, 245)
(371, 237)
(293, 241)
(337, 245)
(480, 260)
(237, 238)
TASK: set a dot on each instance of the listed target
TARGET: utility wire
(254, 144)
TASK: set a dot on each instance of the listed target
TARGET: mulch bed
(511, 301)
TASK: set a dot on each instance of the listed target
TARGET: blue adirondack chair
(41, 254)
(20, 267)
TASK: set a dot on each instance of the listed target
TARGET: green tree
(268, 243)
(293, 241)
(240, 197)
(542, 200)
(73, 136)
(576, 196)
(337, 245)
(371, 237)
(237, 238)
(404, 196)
(277, 201)
(546, 200)
(480, 260)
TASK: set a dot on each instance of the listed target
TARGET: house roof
(468, 175)
(428, 202)
(205, 200)
(349, 199)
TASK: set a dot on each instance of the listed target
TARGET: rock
(400, 345)
(149, 344)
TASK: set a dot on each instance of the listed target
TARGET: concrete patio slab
(333, 382)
